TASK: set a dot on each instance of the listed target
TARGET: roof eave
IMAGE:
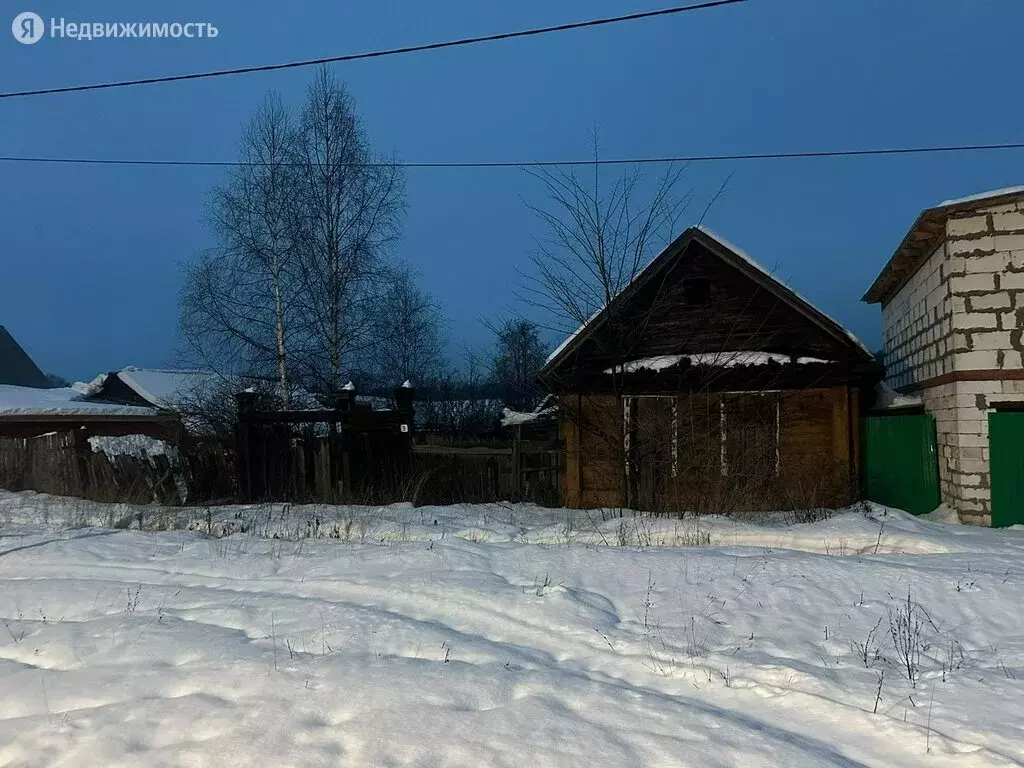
(885, 286)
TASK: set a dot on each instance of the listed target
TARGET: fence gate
(1006, 456)
(901, 462)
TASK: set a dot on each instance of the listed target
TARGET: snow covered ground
(503, 635)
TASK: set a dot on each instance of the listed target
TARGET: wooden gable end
(114, 390)
(696, 302)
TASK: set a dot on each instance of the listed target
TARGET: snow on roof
(63, 401)
(659, 363)
(166, 388)
(91, 388)
(982, 196)
(547, 408)
(890, 398)
(717, 360)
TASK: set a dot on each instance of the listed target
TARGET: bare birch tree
(238, 298)
(349, 213)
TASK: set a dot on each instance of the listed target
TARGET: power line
(378, 54)
(810, 154)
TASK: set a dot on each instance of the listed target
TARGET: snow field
(503, 635)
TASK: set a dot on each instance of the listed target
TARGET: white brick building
(952, 301)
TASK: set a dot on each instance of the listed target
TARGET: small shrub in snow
(868, 651)
(543, 586)
(133, 599)
(907, 625)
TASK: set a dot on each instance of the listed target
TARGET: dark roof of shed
(733, 256)
(16, 367)
(926, 234)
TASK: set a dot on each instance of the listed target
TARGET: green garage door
(901, 464)
(1006, 455)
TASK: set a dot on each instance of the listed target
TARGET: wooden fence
(346, 454)
(64, 464)
(467, 475)
(349, 453)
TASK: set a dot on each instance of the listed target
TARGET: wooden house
(706, 384)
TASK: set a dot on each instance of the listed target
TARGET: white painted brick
(1009, 242)
(1008, 321)
(993, 262)
(1012, 360)
(991, 301)
(991, 340)
(972, 225)
(966, 401)
(1005, 221)
(956, 265)
(970, 480)
(973, 426)
(1012, 387)
(971, 441)
(985, 244)
(982, 320)
(973, 282)
(977, 493)
(1010, 281)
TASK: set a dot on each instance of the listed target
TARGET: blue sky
(90, 262)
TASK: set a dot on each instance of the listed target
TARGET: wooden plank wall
(818, 453)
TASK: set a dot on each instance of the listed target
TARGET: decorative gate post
(341, 439)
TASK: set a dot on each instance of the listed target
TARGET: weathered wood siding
(738, 313)
(816, 452)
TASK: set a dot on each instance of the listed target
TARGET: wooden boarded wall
(811, 459)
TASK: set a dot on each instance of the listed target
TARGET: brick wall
(963, 311)
(917, 325)
(961, 419)
(986, 281)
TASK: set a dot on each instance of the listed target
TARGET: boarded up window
(697, 422)
(750, 435)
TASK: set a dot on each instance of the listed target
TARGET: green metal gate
(1006, 457)
(900, 462)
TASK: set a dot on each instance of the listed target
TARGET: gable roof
(731, 255)
(173, 389)
(925, 235)
(166, 388)
(16, 367)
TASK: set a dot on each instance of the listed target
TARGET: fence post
(246, 403)
(341, 437)
(405, 396)
(517, 461)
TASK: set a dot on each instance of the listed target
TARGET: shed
(707, 384)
